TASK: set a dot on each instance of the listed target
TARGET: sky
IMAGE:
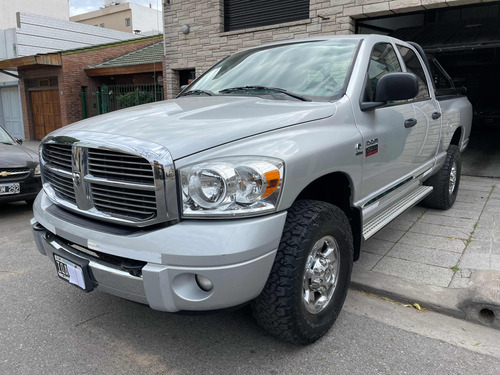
(83, 6)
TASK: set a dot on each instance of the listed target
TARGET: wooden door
(46, 112)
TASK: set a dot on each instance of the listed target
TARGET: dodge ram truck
(259, 183)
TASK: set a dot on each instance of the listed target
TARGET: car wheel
(310, 276)
(445, 182)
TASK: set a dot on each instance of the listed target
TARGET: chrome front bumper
(173, 255)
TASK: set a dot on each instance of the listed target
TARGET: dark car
(19, 171)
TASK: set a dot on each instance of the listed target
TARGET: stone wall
(207, 42)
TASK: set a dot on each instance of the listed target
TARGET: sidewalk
(447, 261)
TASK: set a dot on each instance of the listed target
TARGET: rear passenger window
(383, 60)
(413, 65)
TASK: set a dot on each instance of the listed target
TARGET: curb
(479, 303)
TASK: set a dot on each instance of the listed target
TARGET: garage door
(466, 41)
(12, 118)
(46, 112)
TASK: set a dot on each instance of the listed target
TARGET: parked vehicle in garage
(259, 183)
(19, 171)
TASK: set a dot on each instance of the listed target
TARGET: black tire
(280, 309)
(440, 198)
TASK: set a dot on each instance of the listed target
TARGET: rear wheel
(446, 182)
(310, 276)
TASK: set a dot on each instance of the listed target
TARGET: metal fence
(111, 98)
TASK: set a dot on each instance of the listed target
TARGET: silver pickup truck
(259, 183)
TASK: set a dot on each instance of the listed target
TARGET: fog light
(204, 283)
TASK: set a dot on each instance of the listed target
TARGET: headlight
(239, 186)
(37, 170)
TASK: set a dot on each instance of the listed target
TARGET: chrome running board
(374, 224)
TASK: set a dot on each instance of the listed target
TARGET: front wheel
(310, 276)
(445, 182)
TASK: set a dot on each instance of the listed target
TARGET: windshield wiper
(198, 92)
(7, 143)
(277, 89)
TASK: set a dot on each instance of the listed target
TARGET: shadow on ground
(482, 157)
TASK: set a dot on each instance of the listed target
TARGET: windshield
(4, 137)
(313, 70)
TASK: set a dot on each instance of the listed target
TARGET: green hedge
(135, 98)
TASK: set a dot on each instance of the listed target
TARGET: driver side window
(383, 60)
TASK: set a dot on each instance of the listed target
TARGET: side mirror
(20, 141)
(183, 87)
(392, 87)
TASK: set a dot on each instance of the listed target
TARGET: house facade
(52, 84)
(36, 34)
(10, 103)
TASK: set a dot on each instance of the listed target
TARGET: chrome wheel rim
(453, 178)
(321, 274)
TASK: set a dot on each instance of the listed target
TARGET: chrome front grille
(62, 185)
(7, 174)
(120, 201)
(133, 188)
(119, 166)
(59, 156)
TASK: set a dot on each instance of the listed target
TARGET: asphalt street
(50, 327)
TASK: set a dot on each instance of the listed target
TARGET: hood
(14, 156)
(192, 124)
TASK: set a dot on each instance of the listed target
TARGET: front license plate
(7, 189)
(70, 271)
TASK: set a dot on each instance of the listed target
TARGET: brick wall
(71, 77)
(207, 42)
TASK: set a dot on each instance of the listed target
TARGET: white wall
(7, 51)
(148, 20)
(52, 8)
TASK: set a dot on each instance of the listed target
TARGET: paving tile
(420, 273)
(413, 214)
(376, 246)
(475, 261)
(494, 200)
(452, 212)
(474, 207)
(489, 221)
(478, 247)
(433, 242)
(486, 234)
(470, 196)
(440, 230)
(477, 184)
(492, 209)
(454, 222)
(495, 262)
(435, 257)
(366, 261)
(460, 282)
(400, 224)
(487, 180)
(389, 234)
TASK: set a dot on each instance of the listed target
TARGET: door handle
(436, 115)
(410, 122)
